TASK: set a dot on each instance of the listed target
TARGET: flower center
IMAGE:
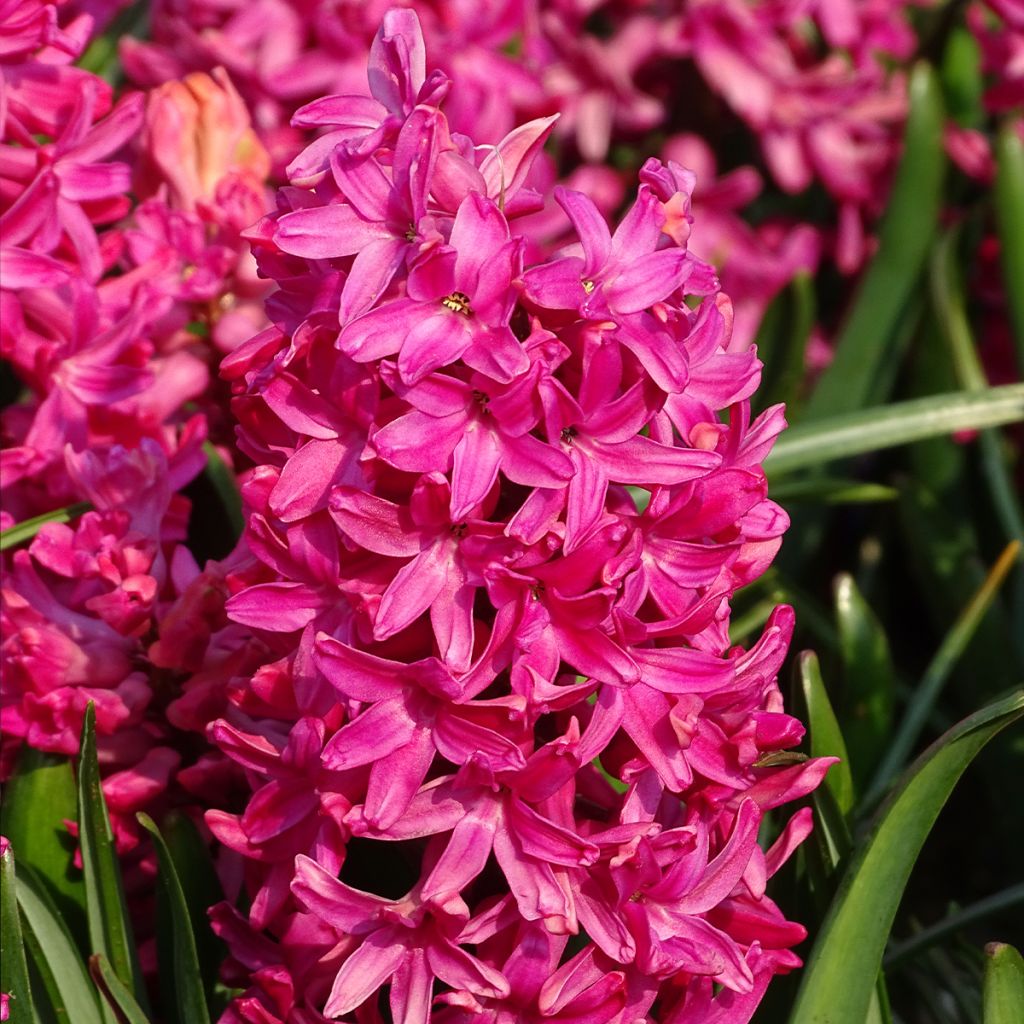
(568, 435)
(457, 302)
(588, 285)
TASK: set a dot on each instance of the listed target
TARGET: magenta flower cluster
(499, 508)
(481, 747)
(114, 310)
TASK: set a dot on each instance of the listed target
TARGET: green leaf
(826, 736)
(938, 671)
(1003, 994)
(13, 966)
(181, 985)
(38, 799)
(790, 320)
(23, 532)
(202, 889)
(948, 298)
(1009, 204)
(832, 491)
(961, 78)
(57, 960)
(869, 676)
(954, 922)
(866, 341)
(226, 486)
(942, 546)
(118, 997)
(109, 928)
(843, 967)
(812, 444)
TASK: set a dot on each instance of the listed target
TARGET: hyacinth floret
(498, 512)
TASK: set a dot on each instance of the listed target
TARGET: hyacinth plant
(499, 519)
(468, 718)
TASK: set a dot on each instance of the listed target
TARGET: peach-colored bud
(197, 132)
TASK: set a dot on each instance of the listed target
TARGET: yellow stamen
(457, 302)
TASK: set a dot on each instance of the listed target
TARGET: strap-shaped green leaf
(869, 677)
(842, 970)
(66, 989)
(201, 888)
(825, 734)
(38, 799)
(1003, 994)
(110, 931)
(1009, 201)
(23, 532)
(118, 997)
(181, 984)
(13, 966)
(813, 444)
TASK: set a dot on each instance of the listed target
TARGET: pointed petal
(590, 226)
(366, 970)
(651, 278)
(465, 855)
(455, 967)
(476, 461)
(379, 731)
(326, 232)
(395, 779)
(356, 674)
(375, 523)
(347, 909)
(413, 589)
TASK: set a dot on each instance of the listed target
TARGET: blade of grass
(1006, 899)
(23, 532)
(826, 738)
(842, 971)
(38, 799)
(180, 978)
(118, 997)
(1009, 205)
(58, 962)
(905, 234)
(109, 928)
(936, 674)
(866, 709)
(812, 444)
(1003, 993)
(13, 965)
